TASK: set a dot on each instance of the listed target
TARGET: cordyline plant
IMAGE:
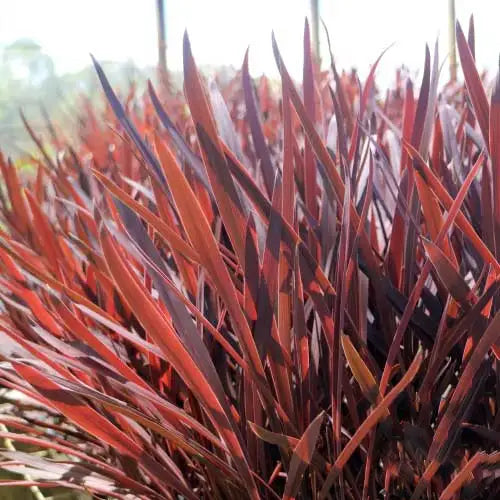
(263, 298)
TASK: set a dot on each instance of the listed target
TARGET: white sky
(220, 30)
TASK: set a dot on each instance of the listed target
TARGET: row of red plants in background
(268, 297)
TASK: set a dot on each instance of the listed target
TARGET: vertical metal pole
(452, 40)
(315, 28)
(162, 38)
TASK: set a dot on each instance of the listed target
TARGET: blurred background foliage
(28, 82)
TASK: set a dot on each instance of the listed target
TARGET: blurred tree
(27, 77)
(23, 62)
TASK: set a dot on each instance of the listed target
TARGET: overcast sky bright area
(220, 31)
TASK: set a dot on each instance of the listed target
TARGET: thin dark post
(452, 40)
(162, 38)
(315, 28)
